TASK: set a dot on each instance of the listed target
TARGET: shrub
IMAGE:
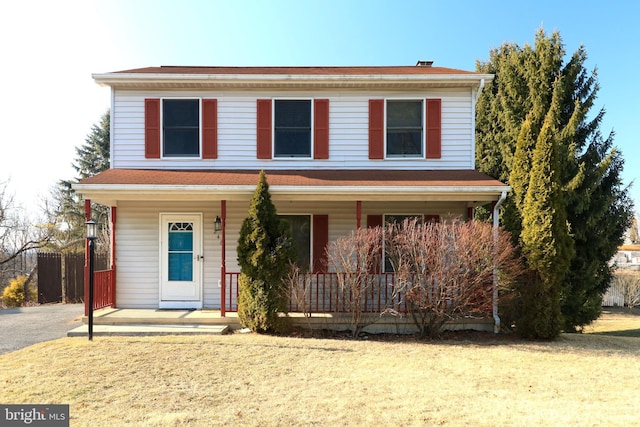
(446, 270)
(265, 253)
(13, 295)
(627, 282)
(355, 257)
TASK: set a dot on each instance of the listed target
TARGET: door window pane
(180, 249)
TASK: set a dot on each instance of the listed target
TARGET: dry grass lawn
(247, 379)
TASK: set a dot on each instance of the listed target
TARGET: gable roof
(356, 77)
(388, 185)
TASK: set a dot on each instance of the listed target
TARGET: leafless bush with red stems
(445, 271)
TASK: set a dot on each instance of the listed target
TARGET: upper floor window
(292, 128)
(186, 127)
(405, 128)
(181, 127)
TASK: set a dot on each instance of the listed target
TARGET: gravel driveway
(24, 326)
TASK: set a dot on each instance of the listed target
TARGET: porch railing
(322, 293)
(102, 289)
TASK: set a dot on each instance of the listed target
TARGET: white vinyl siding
(348, 132)
(138, 239)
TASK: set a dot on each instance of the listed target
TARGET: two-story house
(342, 147)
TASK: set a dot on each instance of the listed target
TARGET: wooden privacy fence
(54, 286)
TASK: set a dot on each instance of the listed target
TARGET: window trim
(181, 157)
(423, 140)
(311, 130)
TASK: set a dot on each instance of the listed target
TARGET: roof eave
(142, 80)
(110, 194)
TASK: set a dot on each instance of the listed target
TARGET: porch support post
(359, 213)
(113, 257)
(496, 219)
(223, 256)
(87, 217)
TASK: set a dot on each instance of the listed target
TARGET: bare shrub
(297, 284)
(446, 270)
(355, 259)
(628, 284)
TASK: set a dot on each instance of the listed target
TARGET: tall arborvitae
(545, 238)
(510, 115)
(265, 252)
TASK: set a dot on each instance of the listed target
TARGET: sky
(50, 49)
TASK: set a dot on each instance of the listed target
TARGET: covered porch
(359, 194)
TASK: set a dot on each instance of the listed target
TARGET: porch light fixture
(217, 226)
(92, 233)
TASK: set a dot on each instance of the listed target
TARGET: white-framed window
(293, 128)
(181, 135)
(405, 136)
(300, 227)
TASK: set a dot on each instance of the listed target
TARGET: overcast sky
(50, 49)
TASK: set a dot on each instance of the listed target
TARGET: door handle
(200, 257)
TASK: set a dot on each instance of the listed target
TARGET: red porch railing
(102, 289)
(322, 293)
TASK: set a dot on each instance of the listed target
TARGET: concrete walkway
(132, 322)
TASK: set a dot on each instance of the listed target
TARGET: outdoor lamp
(92, 233)
(217, 226)
(92, 229)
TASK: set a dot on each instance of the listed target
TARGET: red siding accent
(264, 129)
(320, 242)
(321, 129)
(432, 218)
(152, 128)
(434, 128)
(376, 128)
(209, 128)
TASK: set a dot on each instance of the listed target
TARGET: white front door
(181, 261)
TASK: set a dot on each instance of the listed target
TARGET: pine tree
(265, 252)
(596, 204)
(91, 158)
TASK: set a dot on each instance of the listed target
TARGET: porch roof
(393, 185)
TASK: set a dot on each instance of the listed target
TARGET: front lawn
(248, 379)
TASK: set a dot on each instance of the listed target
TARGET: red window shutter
(320, 242)
(432, 218)
(321, 129)
(264, 129)
(374, 221)
(376, 128)
(434, 128)
(152, 128)
(209, 128)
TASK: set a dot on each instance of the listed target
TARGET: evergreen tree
(91, 158)
(265, 252)
(511, 113)
(545, 239)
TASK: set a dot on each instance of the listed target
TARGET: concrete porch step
(148, 329)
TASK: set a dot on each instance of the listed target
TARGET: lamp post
(92, 233)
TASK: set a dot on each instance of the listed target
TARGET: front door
(181, 261)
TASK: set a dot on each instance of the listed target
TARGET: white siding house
(341, 146)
